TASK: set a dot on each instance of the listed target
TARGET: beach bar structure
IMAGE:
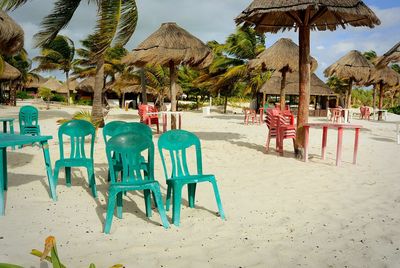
(322, 97)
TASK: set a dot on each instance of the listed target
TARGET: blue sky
(213, 20)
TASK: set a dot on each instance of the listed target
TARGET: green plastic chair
(176, 142)
(114, 128)
(29, 120)
(128, 148)
(77, 131)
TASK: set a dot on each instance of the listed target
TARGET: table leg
(385, 115)
(339, 146)
(357, 133)
(346, 116)
(4, 126)
(3, 178)
(180, 121)
(306, 135)
(12, 130)
(49, 170)
(324, 139)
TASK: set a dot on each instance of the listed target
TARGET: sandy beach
(281, 212)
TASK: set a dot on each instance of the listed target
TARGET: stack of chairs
(365, 112)
(149, 119)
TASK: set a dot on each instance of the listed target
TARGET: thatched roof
(87, 85)
(353, 66)
(170, 43)
(9, 72)
(11, 35)
(72, 85)
(284, 53)
(52, 84)
(273, 85)
(274, 15)
(392, 56)
(385, 75)
(35, 82)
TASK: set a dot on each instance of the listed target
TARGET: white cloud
(320, 47)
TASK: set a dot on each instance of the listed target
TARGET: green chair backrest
(28, 116)
(117, 127)
(77, 131)
(176, 142)
(128, 147)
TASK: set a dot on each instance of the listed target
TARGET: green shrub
(23, 95)
(58, 97)
(395, 110)
(188, 106)
(84, 102)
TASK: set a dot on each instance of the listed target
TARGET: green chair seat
(77, 132)
(128, 147)
(176, 142)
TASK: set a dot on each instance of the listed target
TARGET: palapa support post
(172, 73)
(143, 86)
(304, 87)
(282, 93)
(380, 105)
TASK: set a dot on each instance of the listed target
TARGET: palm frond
(57, 20)
(12, 4)
(127, 22)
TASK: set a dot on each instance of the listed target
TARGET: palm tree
(339, 86)
(58, 54)
(116, 22)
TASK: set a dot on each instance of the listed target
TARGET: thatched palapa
(273, 85)
(392, 56)
(273, 16)
(171, 45)
(11, 35)
(284, 53)
(35, 82)
(9, 72)
(53, 84)
(87, 85)
(353, 67)
(72, 85)
(304, 16)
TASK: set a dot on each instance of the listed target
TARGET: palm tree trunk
(225, 104)
(97, 108)
(143, 85)
(172, 72)
(380, 105)
(283, 95)
(264, 99)
(304, 88)
(67, 81)
(374, 97)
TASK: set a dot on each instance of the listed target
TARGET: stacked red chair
(281, 126)
(365, 112)
(147, 119)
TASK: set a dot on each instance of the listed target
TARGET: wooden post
(374, 97)
(143, 85)
(172, 72)
(264, 99)
(380, 105)
(283, 85)
(348, 102)
(304, 87)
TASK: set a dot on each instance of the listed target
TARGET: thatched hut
(304, 16)
(11, 35)
(9, 73)
(382, 78)
(283, 57)
(171, 45)
(392, 56)
(53, 84)
(321, 93)
(352, 67)
(34, 82)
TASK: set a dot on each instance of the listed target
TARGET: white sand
(281, 212)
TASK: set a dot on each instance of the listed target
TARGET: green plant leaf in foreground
(7, 265)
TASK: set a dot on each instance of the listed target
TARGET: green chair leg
(218, 199)
(47, 161)
(176, 207)
(56, 172)
(110, 211)
(168, 199)
(68, 176)
(160, 206)
(147, 201)
(119, 205)
(4, 170)
(92, 181)
(191, 194)
(3, 175)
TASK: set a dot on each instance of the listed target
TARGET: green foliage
(187, 106)
(23, 95)
(58, 98)
(361, 97)
(7, 265)
(82, 115)
(395, 110)
(84, 102)
(45, 93)
(396, 68)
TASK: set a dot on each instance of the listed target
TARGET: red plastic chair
(336, 115)
(365, 112)
(272, 124)
(149, 119)
(249, 113)
(286, 130)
